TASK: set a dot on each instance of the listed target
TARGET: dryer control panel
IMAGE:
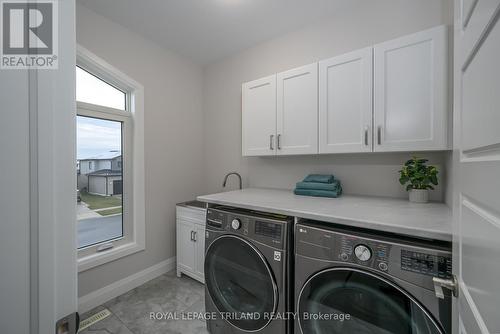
(411, 260)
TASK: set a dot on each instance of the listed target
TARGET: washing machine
(363, 282)
(248, 287)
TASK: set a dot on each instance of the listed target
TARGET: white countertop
(431, 220)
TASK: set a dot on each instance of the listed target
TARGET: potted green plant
(419, 178)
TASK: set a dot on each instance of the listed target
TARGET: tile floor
(167, 293)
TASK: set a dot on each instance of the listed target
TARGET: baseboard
(102, 295)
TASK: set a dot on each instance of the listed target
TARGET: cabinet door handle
(366, 135)
(279, 141)
(379, 135)
(194, 236)
(271, 141)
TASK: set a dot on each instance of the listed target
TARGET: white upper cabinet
(390, 97)
(345, 103)
(297, 115)
(259, 117)
(410, 92)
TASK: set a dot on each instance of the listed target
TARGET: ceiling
(208, 30)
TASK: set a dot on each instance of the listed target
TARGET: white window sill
(100, 258)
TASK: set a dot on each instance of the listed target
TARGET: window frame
(132, 119)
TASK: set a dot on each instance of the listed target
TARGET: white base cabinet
(191, 242)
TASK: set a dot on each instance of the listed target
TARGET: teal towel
(334, 186)
(318, 193)
(319, 178)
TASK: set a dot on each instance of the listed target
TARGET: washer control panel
(362, 251)
(427, 264)
(265, 228)
(412, 260)
(236, 224)
(268, 229)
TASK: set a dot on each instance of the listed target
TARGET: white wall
(173, 133)
(370, 174)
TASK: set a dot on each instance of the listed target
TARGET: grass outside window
(95, 202)
(110, 212)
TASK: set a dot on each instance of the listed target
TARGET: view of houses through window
(99, 169)
(99, 180)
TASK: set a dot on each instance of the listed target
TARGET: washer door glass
(354, 301)
(240, 283)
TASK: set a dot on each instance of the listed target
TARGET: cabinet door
(297, 100)
(185, 245)
(259, 117)
(410, 92)
(200, 250)
(345, 103)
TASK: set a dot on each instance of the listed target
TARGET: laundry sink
(194, 204)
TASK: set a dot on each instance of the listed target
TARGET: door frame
(53, 266)
(474, 21)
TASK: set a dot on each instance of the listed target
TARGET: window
(93, 90)
(100, 209)
(110, 221)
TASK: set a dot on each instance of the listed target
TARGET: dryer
(358, 281)
(247, 263)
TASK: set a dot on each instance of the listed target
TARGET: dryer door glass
(240, 283)
(354, 301)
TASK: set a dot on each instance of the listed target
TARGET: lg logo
(29, 29)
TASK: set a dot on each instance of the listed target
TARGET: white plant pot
(419, 195)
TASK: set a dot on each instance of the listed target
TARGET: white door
(259, 117)
(200, 250)
(345, 103)
(477, 165)
(297, 100)
(185, 245)
(410, 92)
(38, 273)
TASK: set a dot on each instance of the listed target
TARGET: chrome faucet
(232, 173)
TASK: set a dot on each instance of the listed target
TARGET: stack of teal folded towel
(319, 185)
